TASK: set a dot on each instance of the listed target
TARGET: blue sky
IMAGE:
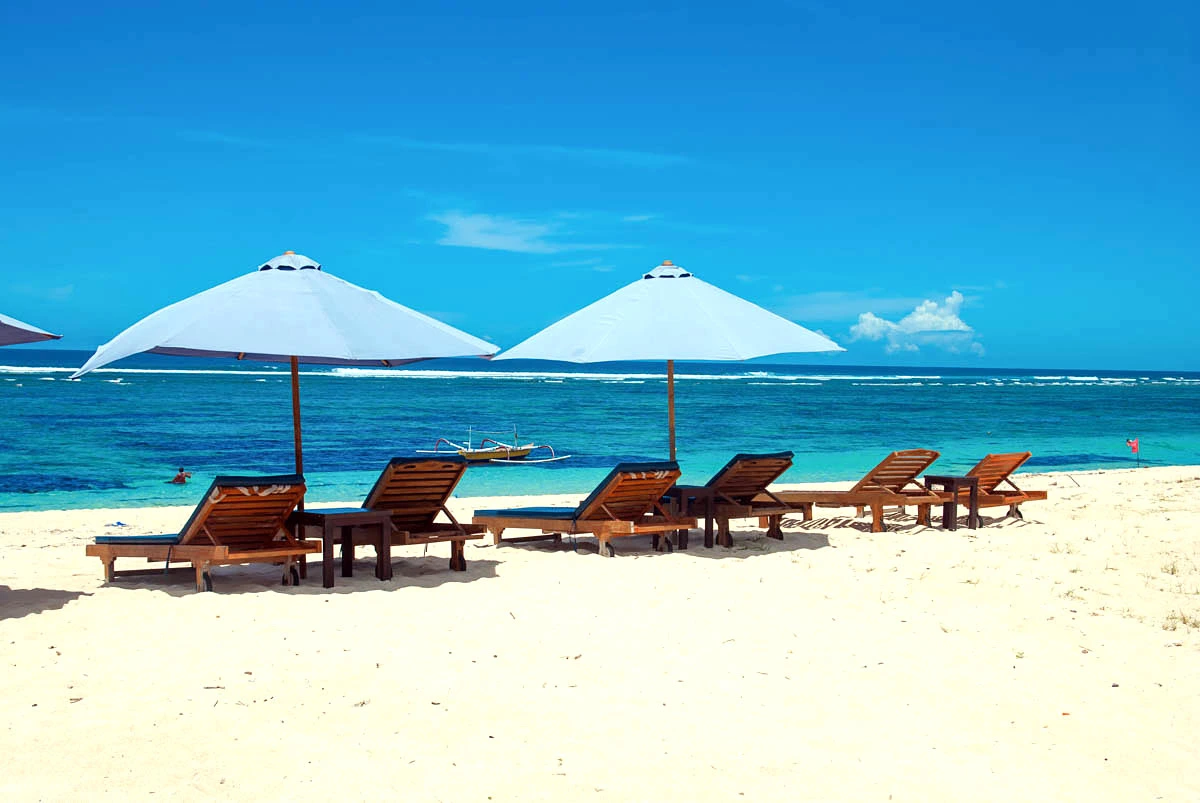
(928, 183)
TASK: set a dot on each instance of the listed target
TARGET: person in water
(181, 477)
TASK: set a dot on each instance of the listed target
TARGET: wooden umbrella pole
(670, 404)
(296, 414)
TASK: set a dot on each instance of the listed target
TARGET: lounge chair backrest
(994, 469)
(897, 470)
(747, 475)
(630, 491)
(416, 488)
(243, 512)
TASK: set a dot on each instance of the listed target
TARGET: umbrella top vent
(290, 260)
(667, 270)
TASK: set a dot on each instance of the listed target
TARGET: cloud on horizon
(929, 324)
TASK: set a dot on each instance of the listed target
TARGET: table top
(348, 515)
(950, 478)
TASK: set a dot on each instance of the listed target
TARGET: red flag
(1132, 443)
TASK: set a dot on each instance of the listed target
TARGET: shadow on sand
(897, 522)
(746, 544)
(18, 602)
(422, 572)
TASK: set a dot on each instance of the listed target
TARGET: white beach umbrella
(13, 332)
(289, 310)
(668, 314)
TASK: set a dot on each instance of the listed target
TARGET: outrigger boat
(491, 450)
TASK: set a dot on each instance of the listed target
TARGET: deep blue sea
(113, 438)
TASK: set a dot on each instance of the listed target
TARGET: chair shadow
(746, 544)
(407, 572)
(18, 602)
(895, 522)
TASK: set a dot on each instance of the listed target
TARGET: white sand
(1036, 660)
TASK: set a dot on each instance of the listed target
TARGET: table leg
(383, 557)
(327, 556)
(973, 511)
(347, 552)
(950, 511)
(708, 522)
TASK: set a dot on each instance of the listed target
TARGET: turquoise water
(113, 438)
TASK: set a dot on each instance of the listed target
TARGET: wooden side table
(953, 485)
(337, 524)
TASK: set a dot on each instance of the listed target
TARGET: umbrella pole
(296, 414)
(670, 404)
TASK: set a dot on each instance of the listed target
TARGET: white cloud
(929, 324)
(837, 305)
(499, 233)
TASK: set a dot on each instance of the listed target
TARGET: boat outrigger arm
(491, 450)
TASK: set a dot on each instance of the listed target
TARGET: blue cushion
(137, 539)
(556, 513)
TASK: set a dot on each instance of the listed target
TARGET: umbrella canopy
(669, 314)
(289, 310)
(13, 332)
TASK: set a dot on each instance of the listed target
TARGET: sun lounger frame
(415, 490)
(737, 491)
(239, 520)
(892, 483)
(621, 505)
(993, 471)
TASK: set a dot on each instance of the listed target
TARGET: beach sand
(1056, 658)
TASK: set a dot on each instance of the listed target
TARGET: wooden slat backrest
(416, 489)
(630, 491)
(244, 512)
(897, 470)
(748, 475)
(994, 469)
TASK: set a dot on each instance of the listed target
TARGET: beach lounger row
(250, 519)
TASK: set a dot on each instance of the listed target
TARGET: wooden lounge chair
(623, 504)
(240, 520)
(993, 471)
(892, 483)
(415, 490)
(737, 491)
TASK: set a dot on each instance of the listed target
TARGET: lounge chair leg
(656, 543)
(458, 557)
(877, 519)
(109, 569)
(859, 510)
(806, 510)
(1015, 512)
(724, 537)
(682, 537)
(775, 528)
(496, 533)
(923, 514)
(606, 548)
(203, 580)
(764, 522)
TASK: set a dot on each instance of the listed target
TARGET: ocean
(114, 437)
